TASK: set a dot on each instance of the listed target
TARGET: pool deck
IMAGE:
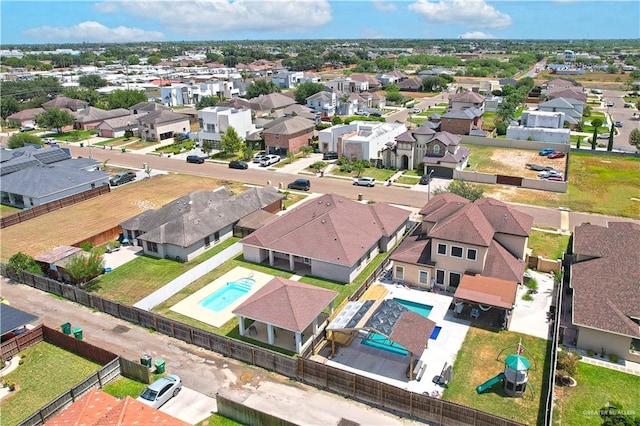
(191, 308)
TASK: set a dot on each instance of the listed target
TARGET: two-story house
(571, 108)
(348, 85)
(466, 100)
(161, 125)
(267, 105)
(214, 122)
(288, 79)
(323, 102)
(458, 237)
(540, 126)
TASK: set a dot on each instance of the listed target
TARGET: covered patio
(486, 301)
(286, 313)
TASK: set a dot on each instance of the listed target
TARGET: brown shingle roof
(605, 277)
(286, 304)
(468, 225)
(291, 126)
(502, 264)
(503, 218)
(26, 114)
(487, 291)
(467, 97)
(331, 228)
(412, 331)
(415, 248)
(58, 254)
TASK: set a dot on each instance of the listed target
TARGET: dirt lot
(82, 220)
(511, 162)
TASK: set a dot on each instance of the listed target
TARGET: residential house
(466, 100)
(188, 226)
(116, 127)
(191, 93)
(605, 301)
(458, 237)
(439, 152)
(145, 107)
(411, 84)
(26, 117)
(557, 83)
(571, 108)
(287, 79)
(63, 102)
(488, 86)
(91, 117)
(288, 134)
(360, 140)
(301, 111)
(214, 122)
(373, 82)
(328, 237)
(267, 105)
(161, 125)
(32, 177)
(462, 121)
(323, 102)
(540, 126)
(575, 95)
(348, 85)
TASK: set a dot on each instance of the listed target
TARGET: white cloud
(472, 13)
(91, 31)
(477, 35)
(384, 6)
(206, 17)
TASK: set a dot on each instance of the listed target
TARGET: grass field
(548, 244)
(596, 387)
(476, 362)
(8, 210)
(380, 175)
(75, 223)
(47, 372)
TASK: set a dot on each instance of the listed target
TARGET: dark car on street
(300, 184)
(237, 164)
(195, 159)
(122, 178)
(425, 179)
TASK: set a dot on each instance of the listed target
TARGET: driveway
(190, 406)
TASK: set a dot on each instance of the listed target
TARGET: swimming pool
(228, 294)
(418, 308)
(378, 341)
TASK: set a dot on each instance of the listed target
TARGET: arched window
(436, 149)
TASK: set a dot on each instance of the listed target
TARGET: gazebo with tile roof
(288, 306)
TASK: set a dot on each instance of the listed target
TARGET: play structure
(514, 376)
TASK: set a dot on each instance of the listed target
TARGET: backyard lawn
(596, 386)
(8, 210)
(47, 372)
(476, 362)
(548, 244)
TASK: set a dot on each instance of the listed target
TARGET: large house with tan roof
(604, 279)
(288, 134)
(329, 237)
(458, 237)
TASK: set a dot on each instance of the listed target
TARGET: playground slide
(489, 383)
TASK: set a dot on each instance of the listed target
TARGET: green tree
(92, 81)
(154, 59)
(290, 156)
(306, 151)
(207, 101)
(125, 98)
(261, 87)
(634, 138)
(83, 267)
(207, 146)
(304, 90)
(463, 189)
(611, 133)
(90, 96)
(8, 105)
(55, 118)
(18, 140)
(21, 262)
(247, 152)
(230, 142)
(596, 123)
(336, 119)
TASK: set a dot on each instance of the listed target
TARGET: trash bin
(123, 149)
(66, 328)
(145, 360)
(159, 366)
(81, 144)
(77, 333)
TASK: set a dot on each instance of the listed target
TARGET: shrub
(568, 361)
(532, 284)
(318, 165)
(21, 262)
(527, 297)
(86, 246)
(613, 357)
(590, 352)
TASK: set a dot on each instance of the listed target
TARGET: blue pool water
(377, 341)
(418, 308)
(435, 332)
(228, 294)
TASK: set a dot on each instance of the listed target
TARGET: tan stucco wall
(595, 340)
(412, 273)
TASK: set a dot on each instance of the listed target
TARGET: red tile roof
(286, 304)
(487, 291)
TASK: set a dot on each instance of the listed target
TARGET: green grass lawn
(596, 387)
(72, 136)
(476, 362)
(140, 144)
(381, 175)
(408, 180)
(123, 387)
(140, 277)
(47, 372)
(8, 210)
(292, 198)
(547, 244)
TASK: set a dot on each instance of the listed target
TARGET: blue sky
(115, 21)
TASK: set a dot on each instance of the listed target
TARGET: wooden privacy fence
(34, 212)
(370, 391)
(22, 341)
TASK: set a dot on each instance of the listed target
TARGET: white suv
(364, 181)
(268, 160)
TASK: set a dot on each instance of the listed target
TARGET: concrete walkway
(162, 294)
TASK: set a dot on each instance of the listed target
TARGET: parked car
(259, 156)
(617, 123)
(122, 178)
(364, 181)
(196, 159)
(537, 167)
(628, 105)
(610, 104)
(300, 184)
(330, 155)
(556, 154)
(49, 140)
(546, 152)
(596, 91)
(270, 159)
(425, 179)
(555, 178)
(603, 136)
(26, 128)
(416, 110)
(161, 391)
(548, 173)
(237, 164)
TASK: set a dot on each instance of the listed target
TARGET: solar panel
(17, 165)
(52, 155)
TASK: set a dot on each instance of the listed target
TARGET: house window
(440, 276)
(152, 126)
(456, 252)
(436, 149)
(423, 277)
(307, 261)
(454, 279)
(216, 237)
(442, 249)
(399, 272)
(207, 241)
(472, 254)
(152, 247)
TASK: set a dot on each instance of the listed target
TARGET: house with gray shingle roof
(571, 108)
(63, 102)
(288, 134)
(329, 237)
(457, 237)
(462, 121)
(91, 117)
(161, 125)
(26, 117)
(188, 226)
(605, 276)
(266, 105)
(32, 177)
